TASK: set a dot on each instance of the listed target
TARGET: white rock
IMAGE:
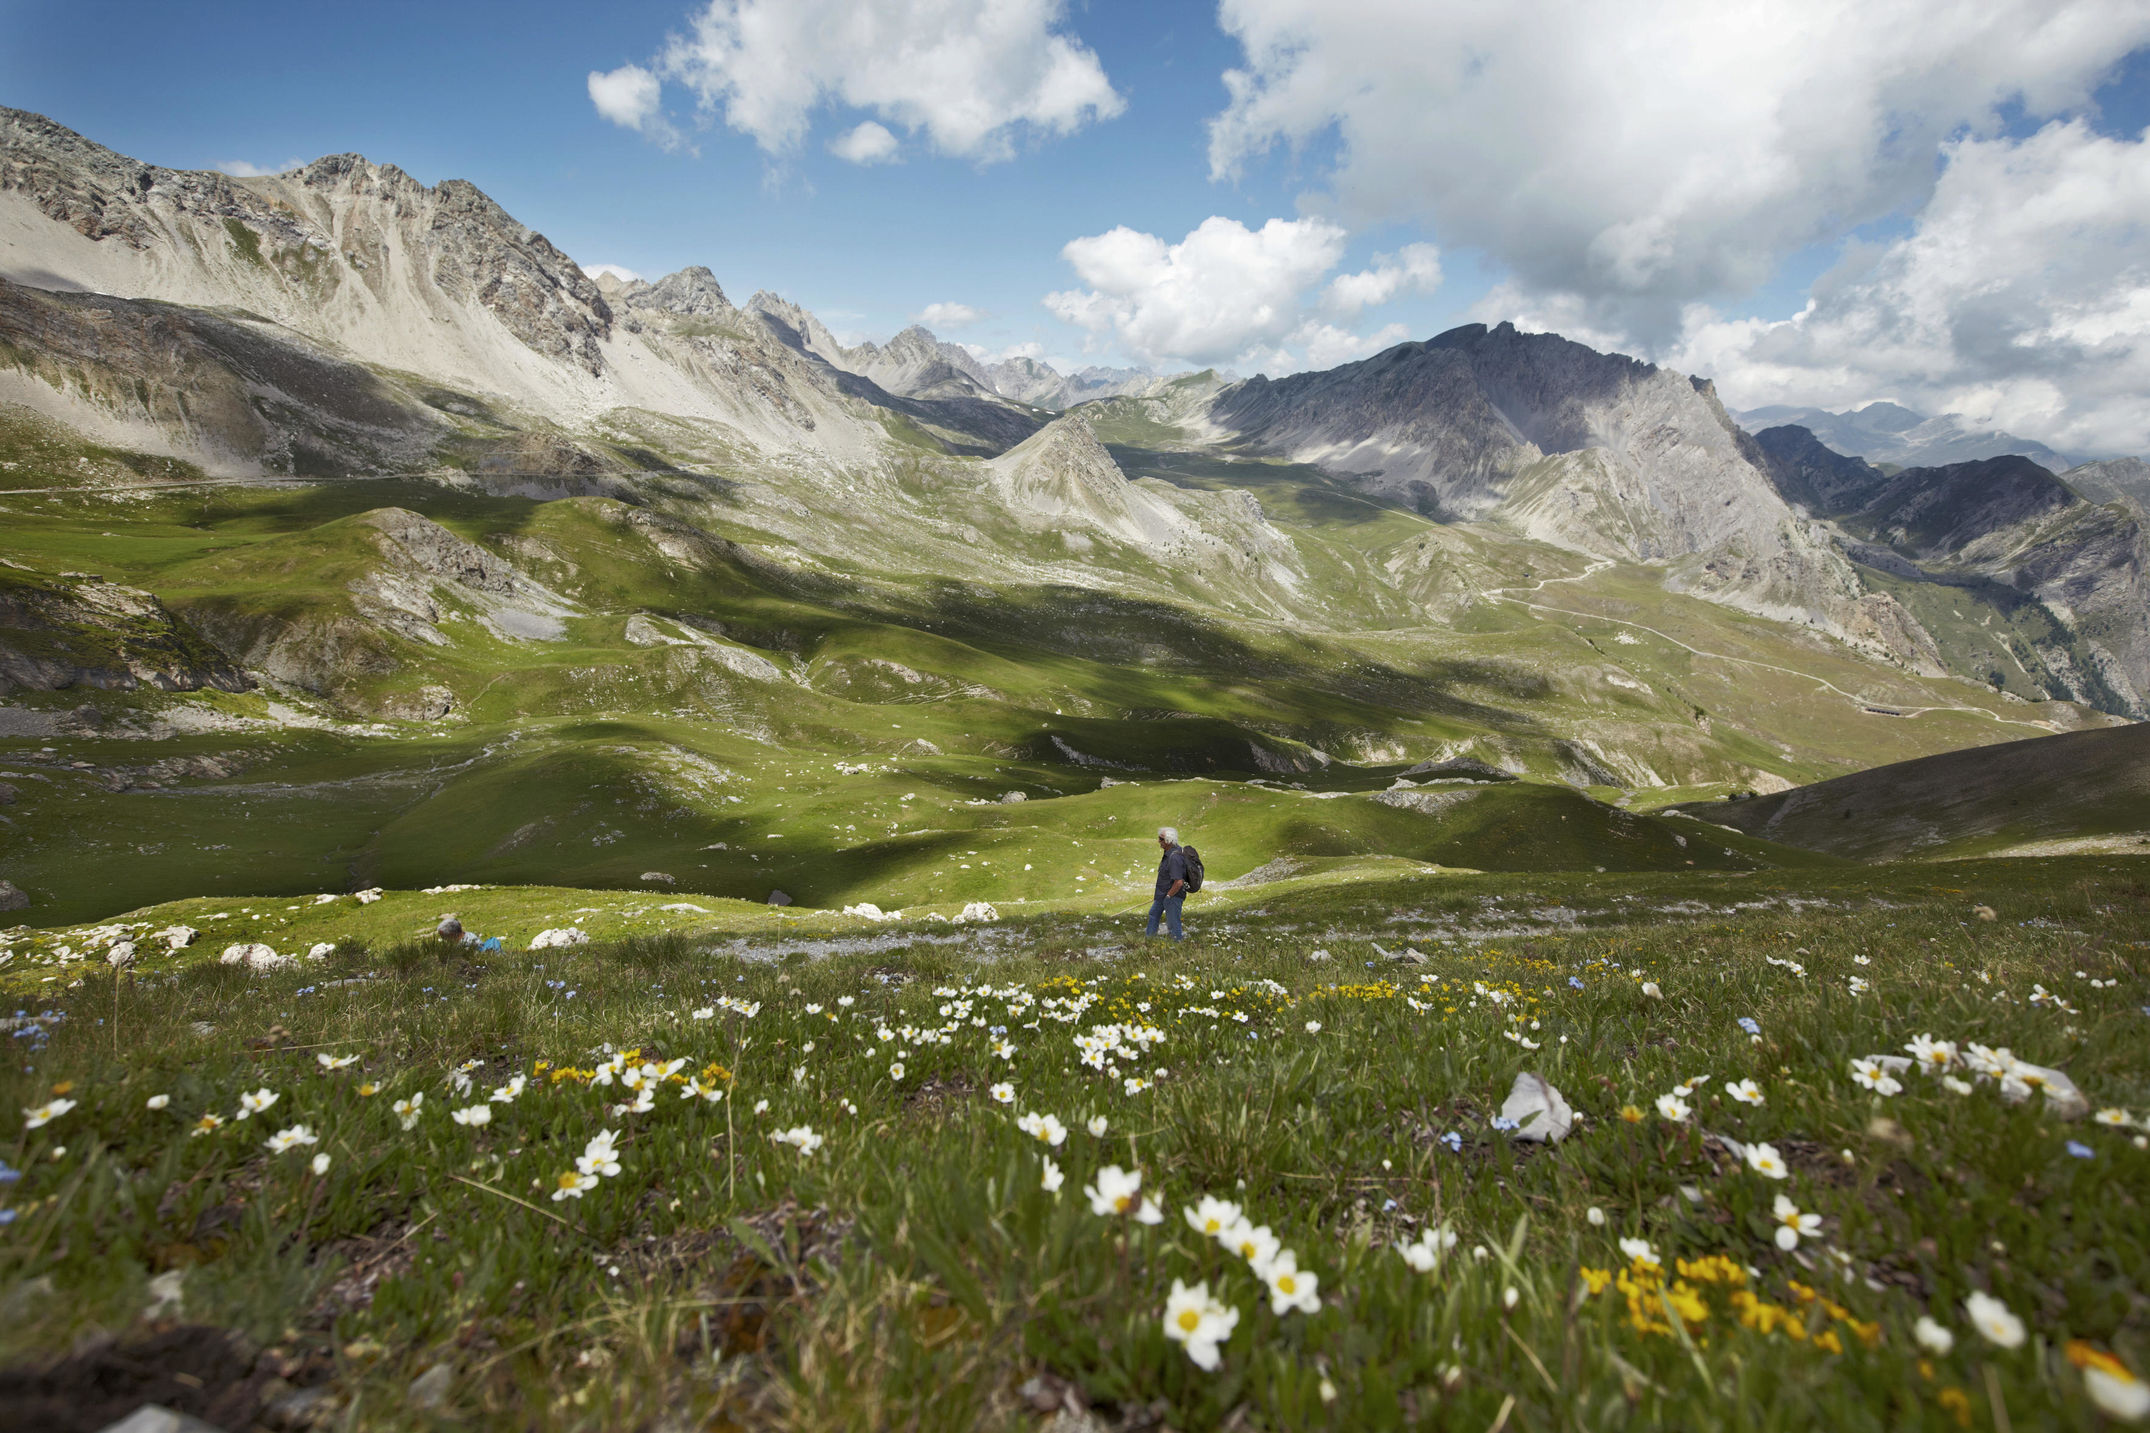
(368, 897)
(322, 951)
(121, 954)
(2061, 1095)
(177, 937)
(549, 939)
(254, 956)
(872, 912)
(1538, 1109)
(978, 911)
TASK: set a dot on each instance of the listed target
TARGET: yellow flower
(1828, 1340)
(369, 1088)
(1957, 1403)
(1631, 1114)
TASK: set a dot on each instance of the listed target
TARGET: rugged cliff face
(72, 629)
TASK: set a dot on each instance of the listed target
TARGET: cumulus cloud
(628, 96)
(947, 315)
(2020, 299)
(868, 143)
(1227, 293)
(971, 76)
(1642, 157)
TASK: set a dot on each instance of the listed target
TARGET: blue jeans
(1169, 908)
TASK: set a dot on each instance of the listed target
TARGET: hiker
(1174, 881)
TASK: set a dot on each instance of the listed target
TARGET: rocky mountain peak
(693, 292)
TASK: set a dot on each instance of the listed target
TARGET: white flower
(1097, 1126)
(761, 1107)
(1747, 1092)
(1933, 1337)
(1992, 1318)
(2111, 1384)
(1044, 1127)
(707, 1012)
(571, 1185)
(801, 1138)
(1649, 988)
(507, 1093)
(1639, 1251)
(473, 1115)
(1792, 1226)
(895, 1070)
(1290, 1287)
(1764, 1160)
(334, 1062)
(1875, 1076)
(600, 1155)
(158, 1102)
(1313, 1027)
(290, 1138)
(321, 1163)
(1426, 1251)
(1250, 1241)
(1210, 1216)
(1004, 1093)
(1117, 1191)
(1930, 1054)
(1510, 1297)
(1050, 1179)
(1956, 1086)
(1673, 1108)
(409, 1110)
(1596, 1216)
(2113, 1117)
(1198, 1322)
(253, 1103)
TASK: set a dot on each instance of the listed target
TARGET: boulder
(177, 937)
(254, 956)
(568, 935)
(121, 955)
(659, 878)
(778, 898)
(12, 897)
(1538, 1110)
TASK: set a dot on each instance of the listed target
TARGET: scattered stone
(7, 794)
(979, 911)
(12, 897)
(166, 1294)
(156, 1418)
(121, 955)
(321, 951)
(369, 896)
(872, 912)
(1539, 1111)
(429, 1390)
(1985, 913)
(778, 898)
(177, 937)
(660, 878)
(550, 939)
(1012, 797)
(254, 956)
(301, 1408)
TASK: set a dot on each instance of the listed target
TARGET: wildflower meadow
(1865, 1151)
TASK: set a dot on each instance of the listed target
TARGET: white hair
(1169, 834)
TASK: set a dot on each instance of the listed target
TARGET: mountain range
(340, 447)
(1889, 433)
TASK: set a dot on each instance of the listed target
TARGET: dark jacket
(1172, 867)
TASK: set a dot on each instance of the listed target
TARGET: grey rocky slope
(1890, 433)
(1599, 453)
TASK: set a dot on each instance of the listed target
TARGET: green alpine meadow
(1342, 715)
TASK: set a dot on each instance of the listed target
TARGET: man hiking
(1173, 882)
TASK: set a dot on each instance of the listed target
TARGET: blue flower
(1454, 1142)
(8, 1174)
(1502, 1122)
(7, 1217)
(1575, 981)
(1748, 1024)
(2080, 1150)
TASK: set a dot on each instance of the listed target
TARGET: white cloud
(241, 169)
(869, 143)
(1414, 268)
(1644, 156)
(628, 96)
(623, 274)
(947, 315)
(969, 75)
(2020, 299)
(1227, 294)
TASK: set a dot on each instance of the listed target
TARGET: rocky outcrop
(1815, 477)
(77, 630)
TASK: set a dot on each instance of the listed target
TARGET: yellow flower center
(570, 1179)
(1288, 1284)
(1189, 1320)
(1121, 1202)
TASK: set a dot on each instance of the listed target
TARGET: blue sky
(1624, 210)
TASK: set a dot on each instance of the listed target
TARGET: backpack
(1194, 869)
